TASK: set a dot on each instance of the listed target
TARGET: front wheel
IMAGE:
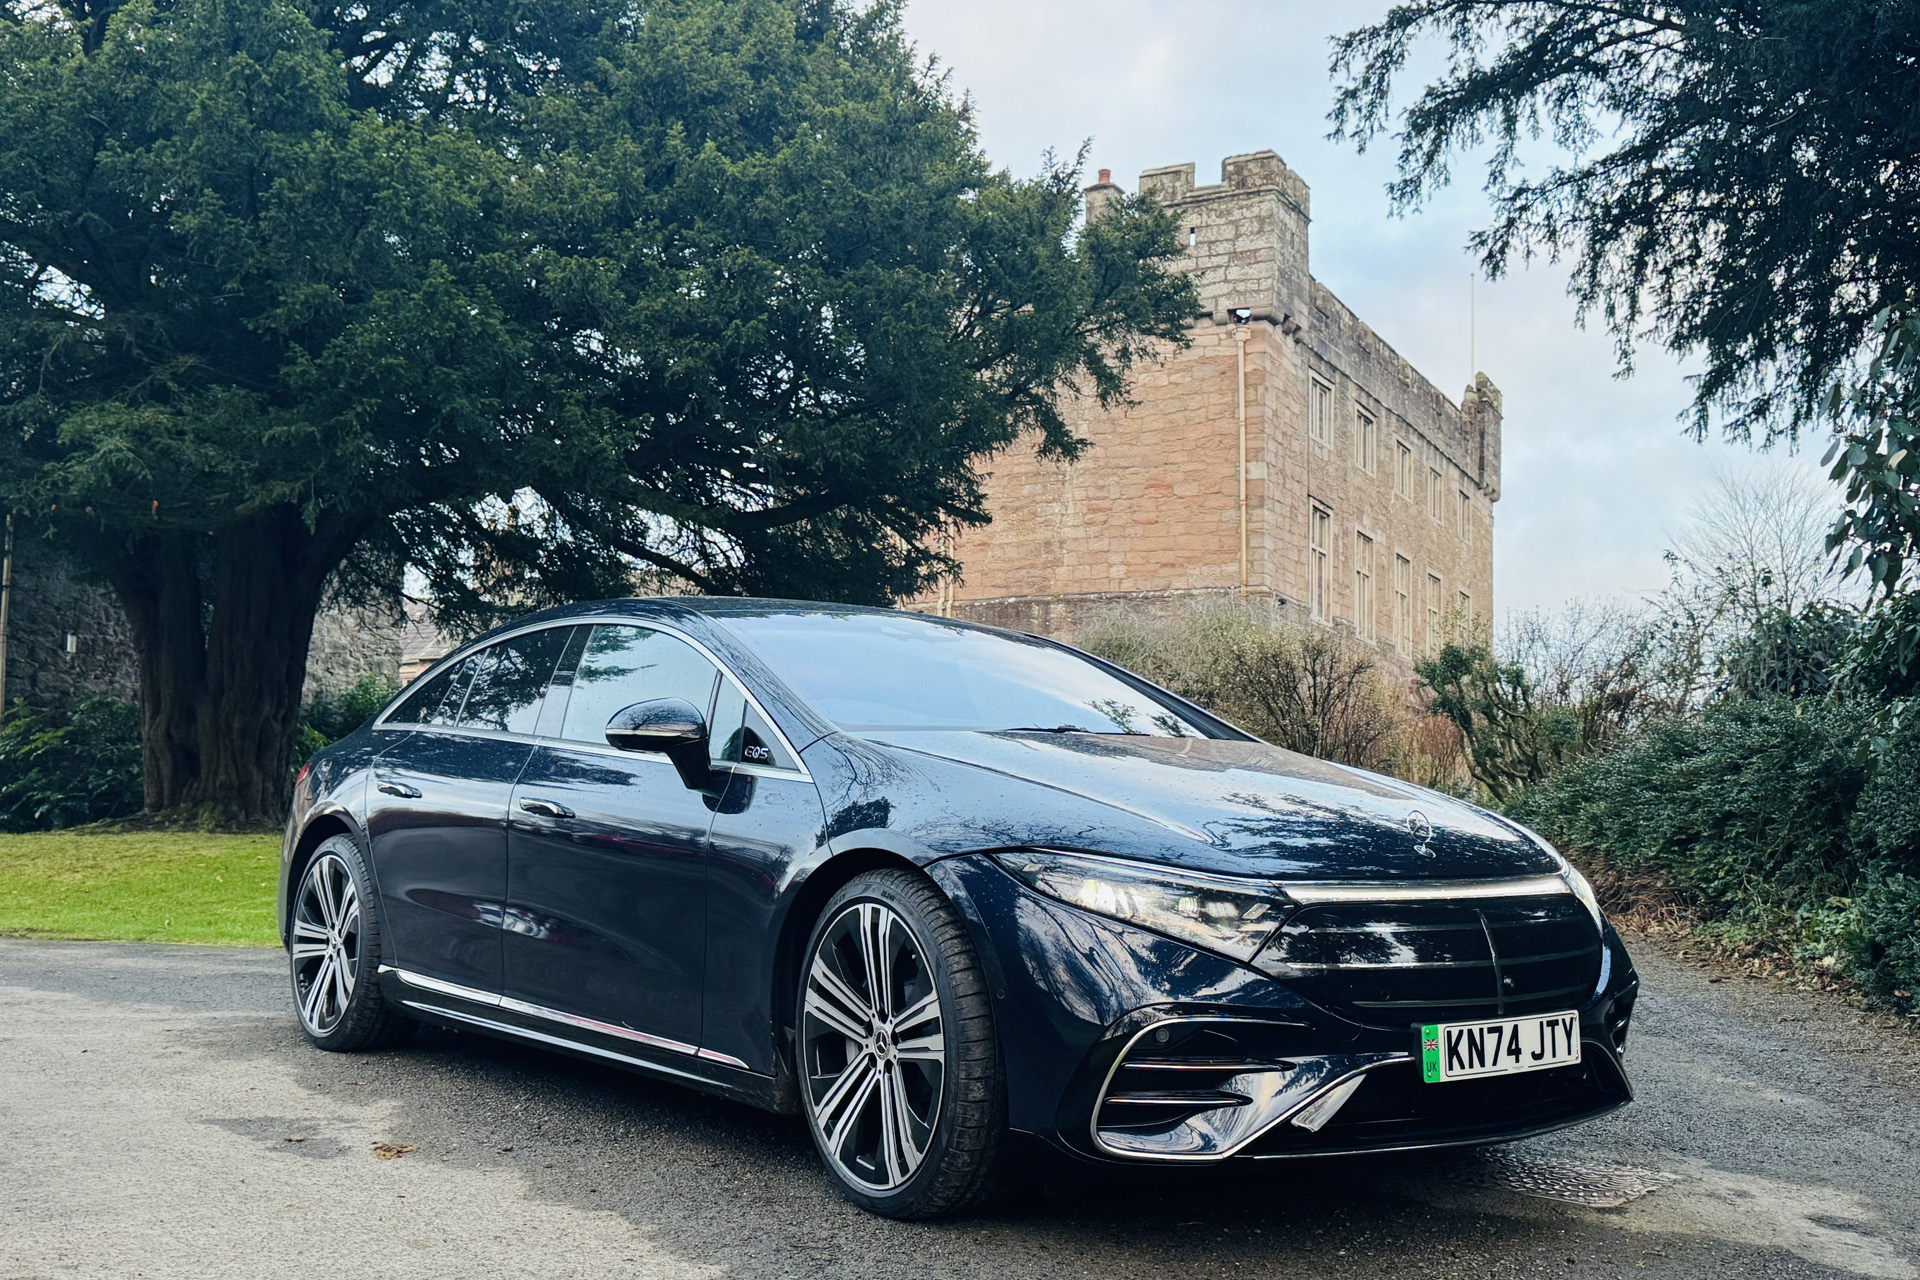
(334, 953)
(899, 1066)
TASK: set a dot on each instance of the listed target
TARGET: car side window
(622, 665)
(438, 700)
(741, 734)
(511, 679)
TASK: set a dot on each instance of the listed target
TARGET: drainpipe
(6, 610)
(1240, 318)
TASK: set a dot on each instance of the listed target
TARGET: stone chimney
(1103, 195)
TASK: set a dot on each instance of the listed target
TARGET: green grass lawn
(147, 886)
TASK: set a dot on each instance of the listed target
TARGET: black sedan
(963, 898)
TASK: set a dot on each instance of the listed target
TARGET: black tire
(341, 953)
(960, 1167)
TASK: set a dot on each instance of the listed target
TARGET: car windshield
(868, 671)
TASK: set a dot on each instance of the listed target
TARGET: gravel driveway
(160, 1116)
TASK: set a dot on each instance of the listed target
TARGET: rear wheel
(900, 1073)
(333, 953)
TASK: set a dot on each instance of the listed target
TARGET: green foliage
(1793, 654)
(1877, 455)
(63, 769)
(1746, 806)
(332, 716)
(1886, 944)
(1512, 741)
(531, 294)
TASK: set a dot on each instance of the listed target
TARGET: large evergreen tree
(524, 293)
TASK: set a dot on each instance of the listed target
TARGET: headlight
(1575, 881)
(1232, 917)
(1583, 891)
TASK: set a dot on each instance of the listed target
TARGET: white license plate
(1498, 1047)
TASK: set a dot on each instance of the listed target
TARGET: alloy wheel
(873, 1050)
(326, 943)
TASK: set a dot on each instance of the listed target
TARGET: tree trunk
(221, 624)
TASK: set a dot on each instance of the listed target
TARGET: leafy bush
(60, 769)
(1886, 946)
(1747, 806)
(332, 716)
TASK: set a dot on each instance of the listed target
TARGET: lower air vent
(1199, 1089)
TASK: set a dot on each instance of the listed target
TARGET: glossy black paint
(591, 899)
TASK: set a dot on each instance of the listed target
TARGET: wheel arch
(809, 901)
(320, 828)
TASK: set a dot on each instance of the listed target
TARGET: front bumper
(1115, 1041)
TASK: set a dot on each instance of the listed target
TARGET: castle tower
(1368, 494)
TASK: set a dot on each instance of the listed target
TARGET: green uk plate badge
(1430, 1053)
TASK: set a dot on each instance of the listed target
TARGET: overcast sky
(1596, 473)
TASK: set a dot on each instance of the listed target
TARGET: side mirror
(672, 726)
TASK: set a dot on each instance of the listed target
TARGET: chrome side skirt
(527, 1033)
(508, 1004)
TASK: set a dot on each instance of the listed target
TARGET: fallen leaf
(392, 1150)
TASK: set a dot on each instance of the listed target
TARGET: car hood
(1234, 808)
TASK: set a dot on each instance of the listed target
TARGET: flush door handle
(400, 789)
(546, 808)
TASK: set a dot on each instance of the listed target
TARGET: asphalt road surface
(160, 1116)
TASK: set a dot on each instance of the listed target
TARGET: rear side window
(511, 680)
(623, 665)
(438, 700)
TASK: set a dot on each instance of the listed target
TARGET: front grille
(1402, 963)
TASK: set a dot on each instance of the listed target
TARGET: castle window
(1320, 413)
(1193, 236)
(1466, 607)
(1403, 604)
(1363, 585)
(1403, 470)
(1364, 437)
(1466, 516)
(1434, 590)
(1433, 493)
(1319, 572)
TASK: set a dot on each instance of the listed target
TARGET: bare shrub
(1312, 689)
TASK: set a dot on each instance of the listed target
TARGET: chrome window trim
(798, 771)
(1315, 892)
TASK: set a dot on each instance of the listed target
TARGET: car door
(437, 808)
(606, 892)
(769, 816)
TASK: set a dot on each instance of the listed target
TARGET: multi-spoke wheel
(895, 1043)
(333, 949)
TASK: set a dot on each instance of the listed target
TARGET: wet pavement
(161, 1117)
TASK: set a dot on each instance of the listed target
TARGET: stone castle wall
(1149, 516)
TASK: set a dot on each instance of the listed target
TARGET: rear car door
(437, 808)
(606, 878)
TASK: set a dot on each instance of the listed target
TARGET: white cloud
(1596, 470)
